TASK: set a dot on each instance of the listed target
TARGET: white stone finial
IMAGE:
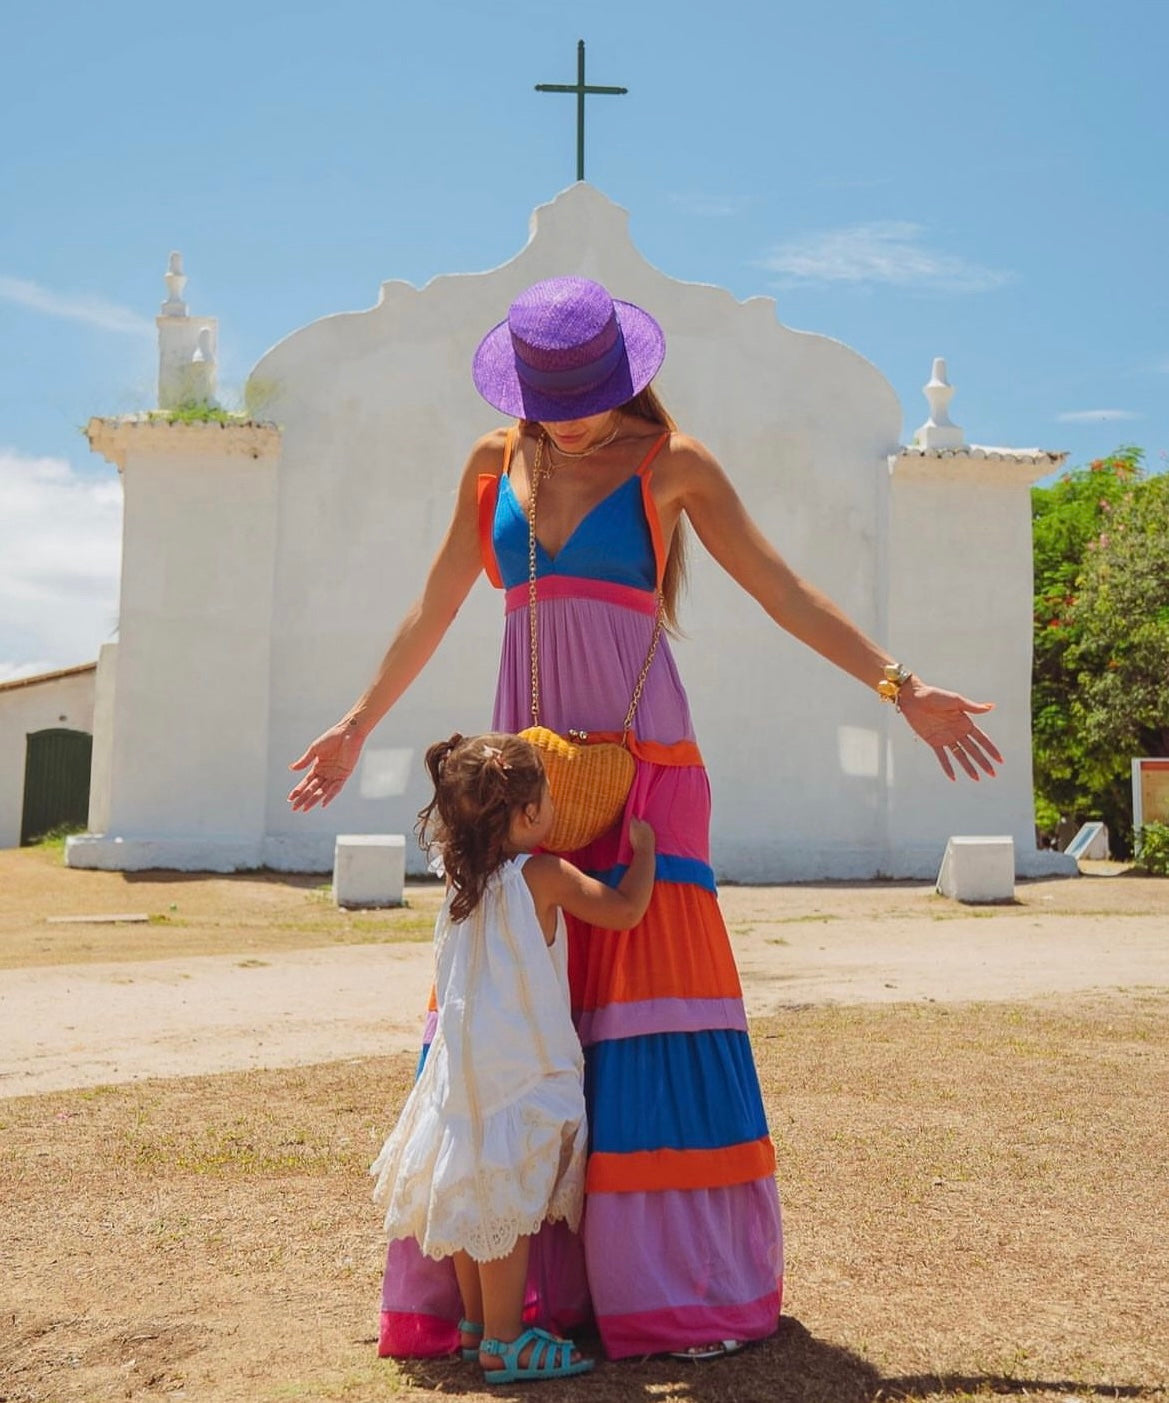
(198, 385)
(939, 430)
(176, 281)
(187, 355)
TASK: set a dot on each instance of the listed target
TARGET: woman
(577, 512)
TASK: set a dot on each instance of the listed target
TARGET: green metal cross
(579, 88)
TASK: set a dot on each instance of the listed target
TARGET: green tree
(1101, 686)
(1121, 615)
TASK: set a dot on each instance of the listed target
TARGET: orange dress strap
(487, 491)
(649, 506)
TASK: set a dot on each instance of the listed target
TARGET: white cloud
(78, 307)
(888, 251)
(1096, 416)
(59, 565)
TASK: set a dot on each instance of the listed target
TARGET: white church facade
(266, 563)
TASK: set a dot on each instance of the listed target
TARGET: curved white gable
(812, 777)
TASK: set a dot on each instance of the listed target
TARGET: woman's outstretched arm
(333, 756)
(692, 481)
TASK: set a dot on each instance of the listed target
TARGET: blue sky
(981, 182)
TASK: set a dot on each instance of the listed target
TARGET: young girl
(492, 1140)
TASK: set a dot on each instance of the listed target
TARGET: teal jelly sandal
(470, 1327)
(550, 1358)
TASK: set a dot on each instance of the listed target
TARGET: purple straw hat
(567, 350)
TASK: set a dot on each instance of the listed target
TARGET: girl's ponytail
(435, 758)
(437, 754)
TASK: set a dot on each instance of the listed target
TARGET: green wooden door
(56, 781)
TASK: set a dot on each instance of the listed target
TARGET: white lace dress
(492, 1139)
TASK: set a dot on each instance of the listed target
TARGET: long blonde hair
(647, 406)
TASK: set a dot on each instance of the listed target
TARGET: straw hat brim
(497, 380)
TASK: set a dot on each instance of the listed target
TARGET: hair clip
(493, 755)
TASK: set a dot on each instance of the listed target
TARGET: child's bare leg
(471, 1290)
(503, 1282)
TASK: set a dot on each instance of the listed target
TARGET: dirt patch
(266, 972)
(974, 1200)
(188, 913)
(259, 912)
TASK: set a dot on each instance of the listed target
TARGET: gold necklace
(584, 453)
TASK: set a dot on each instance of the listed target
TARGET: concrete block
(977, 869)
(1090, 842)
(369, 869)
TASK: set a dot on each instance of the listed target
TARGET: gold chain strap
(532, 632)
(659, 620)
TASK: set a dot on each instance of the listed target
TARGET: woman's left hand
(330, 760)
(943, 721)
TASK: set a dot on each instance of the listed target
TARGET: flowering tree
(1100, 690)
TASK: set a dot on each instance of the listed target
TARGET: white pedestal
(1090, 842)
(978, 869)
(369, 869)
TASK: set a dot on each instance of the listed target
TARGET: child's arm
(554, 882)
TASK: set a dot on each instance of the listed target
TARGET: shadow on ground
(792, 1367)
(157, 876)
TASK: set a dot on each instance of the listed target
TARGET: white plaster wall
(966, 606)
(377, 410)
(101, 771)
(36, 706)
(191, 703)
(258, 599)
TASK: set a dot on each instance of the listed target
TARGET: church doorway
(56, 781)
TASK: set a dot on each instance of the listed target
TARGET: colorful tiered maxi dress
(682, 1238)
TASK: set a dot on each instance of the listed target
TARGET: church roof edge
(985, 451)
(13, 684)
(114, 438)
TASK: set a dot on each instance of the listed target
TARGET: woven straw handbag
(590, 780)
(589, 784)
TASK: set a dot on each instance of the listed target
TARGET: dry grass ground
(187, 913)
(264, 912)
(975, 1201)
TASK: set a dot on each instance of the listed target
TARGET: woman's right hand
(641, 836)
(329, 760)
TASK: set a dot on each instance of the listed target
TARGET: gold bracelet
(894, 677)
